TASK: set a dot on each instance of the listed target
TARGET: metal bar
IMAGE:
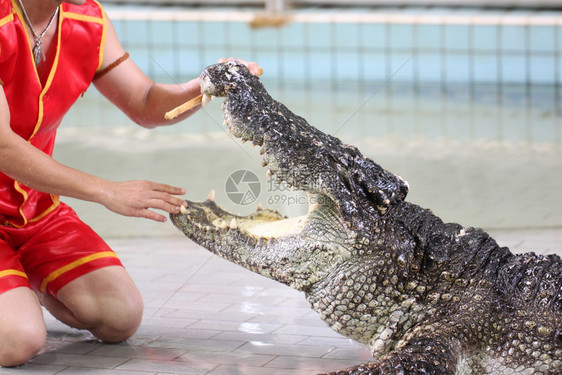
(390, 16)
(285, 4)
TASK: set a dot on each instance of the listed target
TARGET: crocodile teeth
(206, 99)
(260, 207)
(211, 196)
(269, 173)
(233, 224)
(264, 163)
(183, 210)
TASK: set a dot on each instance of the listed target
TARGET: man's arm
(142, 100)
(37, 170)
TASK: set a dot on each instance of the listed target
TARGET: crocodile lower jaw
(262, 224)
(276, 229)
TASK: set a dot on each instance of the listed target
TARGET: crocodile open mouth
(207, 218)
(342, 185)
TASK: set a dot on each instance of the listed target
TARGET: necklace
(38, 53)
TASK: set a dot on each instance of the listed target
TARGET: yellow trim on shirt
(20, 209)
(56, 203)
(18, 12)
(103, 35)
(49, 81)
(82, 17)
(55, 274)
(9, 18)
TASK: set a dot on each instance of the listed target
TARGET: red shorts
(48, 254)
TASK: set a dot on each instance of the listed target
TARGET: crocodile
(425, 296)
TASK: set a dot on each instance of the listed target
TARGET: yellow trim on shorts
(12, 273)
(53, 275)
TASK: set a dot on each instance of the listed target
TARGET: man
(50, 52)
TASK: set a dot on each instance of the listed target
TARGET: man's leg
(105, 301)
(22, 328)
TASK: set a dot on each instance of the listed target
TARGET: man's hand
(252, 66)
(137, 198)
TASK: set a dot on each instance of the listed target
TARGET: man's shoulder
(89, 8)
(6, 11)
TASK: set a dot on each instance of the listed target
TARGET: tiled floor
(203, 315)
(207, 316)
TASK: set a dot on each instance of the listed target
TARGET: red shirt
(36, 108)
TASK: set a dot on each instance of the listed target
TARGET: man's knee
(22, 343)
(22, 328)
(121, 323)
(110, 310)
(110, 318)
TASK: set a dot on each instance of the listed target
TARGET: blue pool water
(455, 74)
